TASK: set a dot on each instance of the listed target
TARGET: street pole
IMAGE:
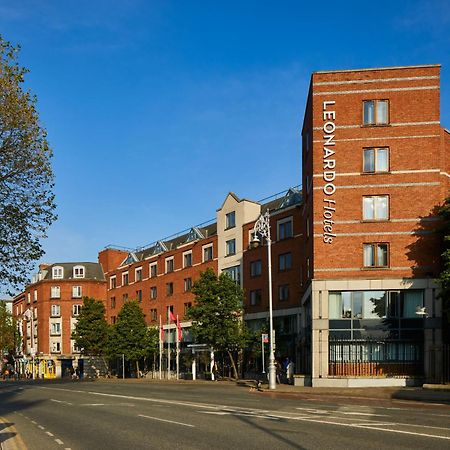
(262, 353)
(262, 227)
(168, 343)
(123, 366)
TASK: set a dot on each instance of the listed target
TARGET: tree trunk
(137, 369)
(233, 364)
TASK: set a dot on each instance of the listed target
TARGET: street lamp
(262, 227)
(29, 315)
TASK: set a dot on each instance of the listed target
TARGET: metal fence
(375, 358)
(439, 364)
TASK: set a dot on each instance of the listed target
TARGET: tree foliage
(130, 335)
(26, 177)
(444, 276)
(8, 332)
(91, 330)
(217, 314)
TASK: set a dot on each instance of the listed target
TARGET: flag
(161, 329)
(171, 317)
(179, 329)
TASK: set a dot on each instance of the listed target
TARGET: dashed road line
(50, 434)
(169, 421)
(59, 441)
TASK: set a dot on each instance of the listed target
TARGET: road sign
(265, 338)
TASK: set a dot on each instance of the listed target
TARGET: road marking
(41, 427)
(33, 421)
(60, 401)
(50, 434)
(59, 441)
(169, 421)
(235, 413)
(93, 404)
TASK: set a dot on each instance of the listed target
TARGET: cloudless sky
(155, 110)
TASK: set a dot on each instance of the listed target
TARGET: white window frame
(77, 291)
(56, 347)
(172, 262)
(150, 269)
(76, 309)
(113, 282)
(55, 328)
(282, 222)
(372, 201)
(207, 247)
(79, 272)
(35, 295)
(127, 275)
(55, 311)
(376, 151)
(228, 247)
(185, 255)
(57, 272)
(136, 271)
(55, 292)
(376, 113)
(230, 220)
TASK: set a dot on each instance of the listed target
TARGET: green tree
(91, 330)
(444, 276)
(26, 177)
(8, 331)
(130, 335)
(217, 314)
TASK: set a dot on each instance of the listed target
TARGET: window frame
(125, 278)
(255, 297)
(55, 310)
(207, 248)
(77, 291)
(283, 288)
(376, 151)
(374, 209)
(230, 220)
(169, 289)
(79, 272)
(55, 292)
(153, 269)
(113, 282)
(170, 262)
(137, 277)
(284, 257)
(257, 263)
(281, 224)
(76, 309)
(187, 255)
(57, 272)
(376, 113)
(153, 292)
(375, 249)
(228, 246)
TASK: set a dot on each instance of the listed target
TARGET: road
(143, 415)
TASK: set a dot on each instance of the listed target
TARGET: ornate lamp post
(262, 227)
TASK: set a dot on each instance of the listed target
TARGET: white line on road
(165, 420)
(50, 434)
(60, 401)
(41, 427)
(59, 441)
(93, 404)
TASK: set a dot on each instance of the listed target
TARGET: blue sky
(156, 109)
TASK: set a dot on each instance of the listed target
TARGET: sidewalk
(9, 437)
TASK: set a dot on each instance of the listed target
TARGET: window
(230, 220)
(125, 297)
(255, 268)
(139, 295)
(169, 289)
(187, 259)
(375, 160)
(376, 255)
(285, 261)
(376, 208)
(35, 296)
(125, 278)
(284, 228)
(231, 247)
(234, 273)
(255, 297)
(138, 274)
(113, 302)
(113, 319)
(187, 306)
(78, 272)
(76, 292)
(56, 310)
(57, 272)
(375, 112)
(56, 347)
(76, 310)
(283, 292)
(153, 270)
(112, 282)
(29, 297)
(153, 292)
(187, 284)
(55, 328)
(169, 265)
(75, 348)
(55, 292)
(154, 315)
(207, 253)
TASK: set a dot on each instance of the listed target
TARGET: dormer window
(57, 272)
(78, 272)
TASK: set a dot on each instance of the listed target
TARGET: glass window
(153, 315)
(57, 272)
(187, 284)
(207, 253)
(113, 302)
(334, 305)
(139, 295)
(56, 310)
(231, 247)
(125, 297)
(284, 228)
(285, 261)
(112, 282)
(230, 220)
(55, 292)
(283, 292)
(153, 292)
(346, 305)
(78, 272)
(76, 310)
(187, 306)
(410, 302)
(169, 289)
(76, 291)
(374, 304)
(255, 268)
(375, 255)
(138, 274)
(124, 278)
(187, 259)
(375, 160)
(153, 270)
(255, 297)
(375, 112)
(234, 273)
(376, 207)
(169, 265)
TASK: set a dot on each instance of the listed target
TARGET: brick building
(47, 312)
(375, 169)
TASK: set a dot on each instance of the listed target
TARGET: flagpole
(168, 343)
(178, 350)
(160, 345)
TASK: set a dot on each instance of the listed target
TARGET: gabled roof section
(130, 259)
(194, 234)
(292, 197)
(159, 247)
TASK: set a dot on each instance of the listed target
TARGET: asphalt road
(143, 415)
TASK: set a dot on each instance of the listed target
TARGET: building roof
(93, 271)
(378, 68)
